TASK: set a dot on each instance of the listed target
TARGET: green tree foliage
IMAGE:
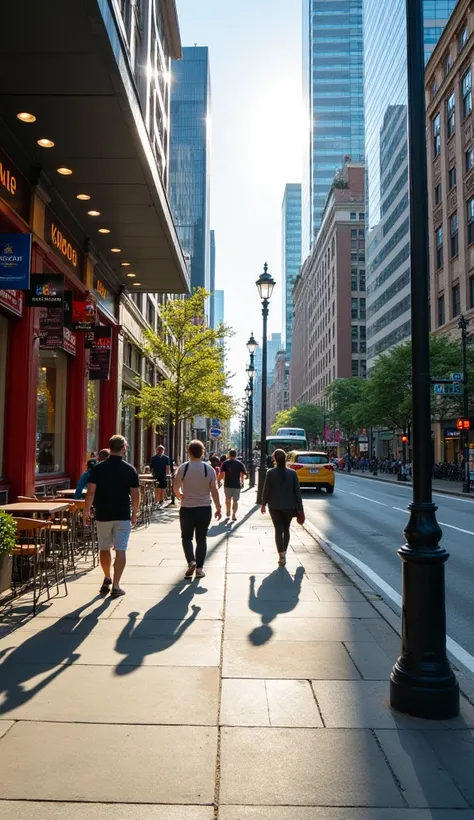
(308, 416)
(345, 396)
(191, 354)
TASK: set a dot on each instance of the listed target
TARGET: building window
(354, 308)
(354, 233)
(353, 215)
(436, 135)
(355, 367)
(362, 280)
(128, 424)
(361, 233)
(470, 221)
(441, 315)
(150, 313)
(451, 115)
(354, 243)
(447, 64)
(471, 292)
(469, 159)
(361, 216)
(128, 354)
(362, 309)
(354, 280)
(453, 229)
(456, 301)
(51, 412)
(354, 333)
(434, 90)
(355, 347)
(451, 178)
(466, 94)
(462, 39)
(439, 248)
(3, 371)
(93, 407)
(437, 193)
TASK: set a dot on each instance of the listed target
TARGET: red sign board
(13, 301)
(84, 315)
(99, 361)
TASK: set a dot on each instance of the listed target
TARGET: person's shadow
(277, 594)
(136, 640)
(50, 647)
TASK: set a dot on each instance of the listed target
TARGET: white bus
(291, 431)
(287, 443)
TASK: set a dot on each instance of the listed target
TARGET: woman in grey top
(283, 495)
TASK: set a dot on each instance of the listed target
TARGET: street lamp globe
(265, 284)
(251, 371)
(248, 390)
(252, 344)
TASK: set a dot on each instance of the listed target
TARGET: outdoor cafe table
(69, 493)
(20, 508)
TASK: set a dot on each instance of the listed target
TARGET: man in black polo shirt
(232, 473)
(160, 467)
(111, 486)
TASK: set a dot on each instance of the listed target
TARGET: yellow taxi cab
(313, 468)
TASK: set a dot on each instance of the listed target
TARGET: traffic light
(404, 439)
(463, 424)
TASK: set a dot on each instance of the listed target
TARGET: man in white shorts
(111, 485)
(233, 473)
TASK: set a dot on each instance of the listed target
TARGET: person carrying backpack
(194, 484)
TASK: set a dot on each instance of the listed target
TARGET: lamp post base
(466, 487)
(262, 471)
(438, 700)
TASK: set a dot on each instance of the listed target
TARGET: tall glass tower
(189, 182)
(291, 252)
(386, 151)
(333, 90)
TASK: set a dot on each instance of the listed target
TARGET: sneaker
(190, 570)
(200, 573)
(234, 518)
(116, 592)
(106, 584)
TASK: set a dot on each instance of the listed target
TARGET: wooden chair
(29, 558)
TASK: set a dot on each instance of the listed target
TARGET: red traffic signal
(463, 424)
(404, 439)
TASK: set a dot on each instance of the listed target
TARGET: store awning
(65, 62)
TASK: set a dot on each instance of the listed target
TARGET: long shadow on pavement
(277, 594)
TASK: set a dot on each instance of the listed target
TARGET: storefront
(452, 445)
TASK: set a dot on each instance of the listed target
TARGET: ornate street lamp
(265, 284)
(422, 682)
(251, 347)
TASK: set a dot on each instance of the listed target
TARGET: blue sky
(257, 125)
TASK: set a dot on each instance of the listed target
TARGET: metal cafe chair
(31, 561)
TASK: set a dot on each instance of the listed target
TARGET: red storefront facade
(44, 394)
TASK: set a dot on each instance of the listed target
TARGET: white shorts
(232, 493)
(113, 534)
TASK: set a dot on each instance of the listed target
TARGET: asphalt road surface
(366, 519)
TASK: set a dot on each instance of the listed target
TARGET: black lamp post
(265, 284)
(463, 325)
(251, 347)
(422, 682)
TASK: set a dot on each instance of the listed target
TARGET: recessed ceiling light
(25, 117)
(116, 250)
(45, 143)
(104, 230)
(83, 196)
(125, 264)
(131, 275)
(93, 213)
(64, 171)
(136, 284)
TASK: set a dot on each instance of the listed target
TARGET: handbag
(300, 517)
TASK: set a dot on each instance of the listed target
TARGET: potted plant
(8, 536)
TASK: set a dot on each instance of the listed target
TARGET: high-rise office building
(212, 278)
(189, 184)
(273, 346)
(386, 146)
(218, 308)
(333, 88)
(291, 261)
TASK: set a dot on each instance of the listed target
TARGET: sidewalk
(259, 693)
(439, 485)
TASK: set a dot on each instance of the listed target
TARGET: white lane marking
(453, 498)
(409, 487)
(441, 523)
(370, 499)
(401, 509)
(455, 648)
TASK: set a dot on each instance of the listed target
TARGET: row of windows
(399, 334)
(358, 308)
(466, 108)
(390, 269)
(455, 302)
(357, 280)
(388, 294)
(387, 318)
(454, 235)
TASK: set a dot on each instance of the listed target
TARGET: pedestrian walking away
(161, 468)
(232, 474)
(194, 484)
(282, 494)
(113, 484)
(85, 477)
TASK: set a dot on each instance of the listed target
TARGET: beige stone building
(329, 330)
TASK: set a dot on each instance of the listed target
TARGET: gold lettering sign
(100, 288)
(62, 244)
(7, 179)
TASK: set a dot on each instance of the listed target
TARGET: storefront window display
(3, 365)
(128, 424)
(93, 407)
(51, 418)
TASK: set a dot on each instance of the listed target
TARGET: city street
(366, 519)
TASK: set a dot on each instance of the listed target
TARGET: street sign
(215, 432)
(215, 423)
(456, 377)
(447, 389)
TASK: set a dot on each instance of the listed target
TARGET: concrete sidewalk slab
(314, 813)
(300, 629)
(282, 659)
(143, 764)
(100, 811)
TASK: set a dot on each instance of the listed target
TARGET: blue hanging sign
(15, 261)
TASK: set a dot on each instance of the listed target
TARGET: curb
(384, 609)
(358, 474)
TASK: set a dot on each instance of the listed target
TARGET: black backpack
(187, 467)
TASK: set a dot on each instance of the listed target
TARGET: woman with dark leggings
(283, 495)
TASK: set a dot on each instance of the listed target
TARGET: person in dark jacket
(282, 493)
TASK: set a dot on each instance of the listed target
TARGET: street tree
(308, 416)
(345, 397)
(191, 354)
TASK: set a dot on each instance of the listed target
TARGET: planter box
(5, 572)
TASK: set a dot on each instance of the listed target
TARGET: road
(366, 519)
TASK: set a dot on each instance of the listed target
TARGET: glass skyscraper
(189, 182)
(333, 90)
(291, 252)
(386, 151)
(212, 279)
